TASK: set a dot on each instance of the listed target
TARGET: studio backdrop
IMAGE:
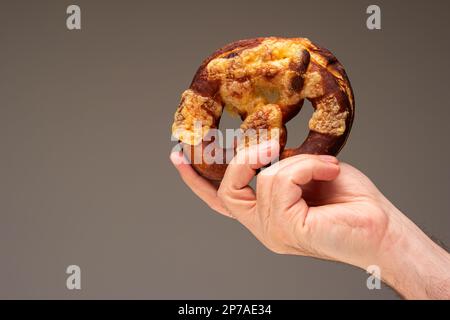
(85, 136)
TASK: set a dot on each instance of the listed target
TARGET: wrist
(411, 263)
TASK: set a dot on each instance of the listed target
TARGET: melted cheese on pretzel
(253, 78)
(258, 76)
(195, 116)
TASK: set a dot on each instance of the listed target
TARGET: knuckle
(309, 166)
(282, 176)
(262, 180)
(310, 162)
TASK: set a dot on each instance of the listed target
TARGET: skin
(312, 205)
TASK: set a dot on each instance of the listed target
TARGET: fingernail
(177, 159)
(328, 158)
(174, 158)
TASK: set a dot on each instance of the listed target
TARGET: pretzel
(265, 81)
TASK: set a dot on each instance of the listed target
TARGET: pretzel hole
(298, 127)
(229, 121)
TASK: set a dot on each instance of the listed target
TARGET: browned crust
(330, 70)
(205, 87)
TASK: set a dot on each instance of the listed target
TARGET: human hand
(315, 206)
(293, 211)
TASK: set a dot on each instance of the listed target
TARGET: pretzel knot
(265, 81)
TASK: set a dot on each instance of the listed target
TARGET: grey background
(85, 122)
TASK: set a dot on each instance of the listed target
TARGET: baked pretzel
(265, 81)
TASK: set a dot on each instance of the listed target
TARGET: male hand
(315, 206)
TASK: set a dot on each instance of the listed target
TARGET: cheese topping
(273, 74)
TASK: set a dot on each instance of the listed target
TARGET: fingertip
(177, 158)
(322, 170)
(267, 151)
(174, 157)
(332, 170)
